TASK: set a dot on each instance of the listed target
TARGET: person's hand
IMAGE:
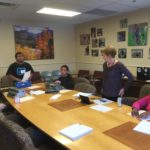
(145, 116)
(57, 82)
(135, 112)
(121, 92)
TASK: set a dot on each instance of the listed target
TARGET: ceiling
(25, 10)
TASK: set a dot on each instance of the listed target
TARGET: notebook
(75, 131)
(143, 127)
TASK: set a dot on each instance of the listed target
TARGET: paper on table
(64, 91)
(83, 94)
(26, 98)
(34, 87)
(75, 131)
(38, 92)
(56, 96)
(143, 127)
(101, 108)
(26, 76)
(102, 101)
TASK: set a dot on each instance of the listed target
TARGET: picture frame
(137, 34)
(101, 42)
(124, 23)
(136, 53)
(122, 53)
(95, 52)
(93, 32)
(84, 39)
(121, 36)
(99, 32)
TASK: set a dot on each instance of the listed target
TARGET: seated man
(17, 69)
(142, 104)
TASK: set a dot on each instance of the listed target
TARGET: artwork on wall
(124, 23)
(121, 36)
(95, 52)
(137, 34)
(93, 32)
(34, 42)
(84, 39)
(122, 53)
(137, 53)
(87, 51)
(94, 43)
(101, 42)
(99, 32)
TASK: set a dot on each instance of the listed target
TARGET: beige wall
(111, 27)
(64, 41)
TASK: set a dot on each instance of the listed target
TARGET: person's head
(109, 53)
(19, 57)
(64, 70)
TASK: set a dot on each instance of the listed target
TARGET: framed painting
(34, 42)
(137, 34)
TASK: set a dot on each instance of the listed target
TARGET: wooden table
(51, 120)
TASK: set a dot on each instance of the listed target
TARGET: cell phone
(102, 100)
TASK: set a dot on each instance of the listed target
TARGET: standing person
(113, 71)
(17, 69)
(65, 80)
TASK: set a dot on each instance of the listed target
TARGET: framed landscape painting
(34, 42)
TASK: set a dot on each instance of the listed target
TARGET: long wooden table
(51, 120)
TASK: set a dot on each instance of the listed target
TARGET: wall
(64, 42)
(110, 27)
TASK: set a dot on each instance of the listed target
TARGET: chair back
(6, 82)
(84, 73)
(81, 80)
(36, 78)
(85, 87)
(97, 75)
(46, 76)
(56, 74)
(18, 138)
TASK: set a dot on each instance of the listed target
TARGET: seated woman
(65, 80)
(142, 104)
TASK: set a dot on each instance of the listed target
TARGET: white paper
(38, 92)
(56, 96)
(34, 87)
(143, 127)
(101, 108)
(64, 91)
(26, 76)
(83, 94)
(26, 98)
(75, 131)
(102, 101)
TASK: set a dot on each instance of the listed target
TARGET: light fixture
(58, 12)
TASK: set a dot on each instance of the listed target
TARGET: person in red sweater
(142, 104)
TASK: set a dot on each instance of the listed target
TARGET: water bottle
(17, 99)
(119, 101)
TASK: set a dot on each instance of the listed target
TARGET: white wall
(64, 46)
(110, 27)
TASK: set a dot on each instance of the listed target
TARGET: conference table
(51, 120)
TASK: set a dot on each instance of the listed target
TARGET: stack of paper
(143, 127)
(56, 96)
(26, 76)
(64, 91)
(101, 108)
(102, 101)
(26, 98)
(83, 94)
(33, 87)
(75, 131)
(38, 92)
